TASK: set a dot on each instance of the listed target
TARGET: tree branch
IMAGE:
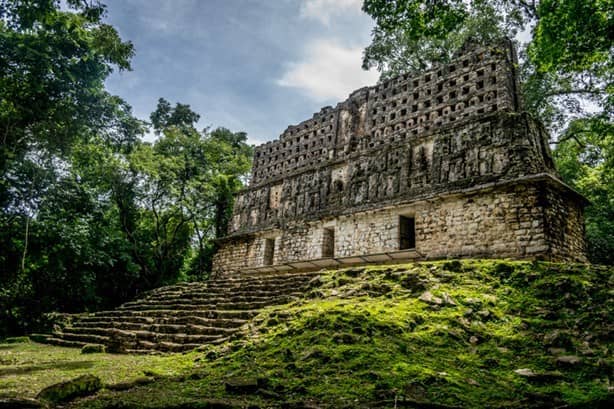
(571, 135)
(571, 92)
(528, 8)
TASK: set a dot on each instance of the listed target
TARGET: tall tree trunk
(25, 245)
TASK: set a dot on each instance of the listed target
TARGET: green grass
(362, 337)
(27, 368)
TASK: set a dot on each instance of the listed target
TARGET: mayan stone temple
(439, 164)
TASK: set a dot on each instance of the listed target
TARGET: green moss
(362, 337)
(64, 391)
(39, 337)
(16, 340)
(93, 349)
(26, 369)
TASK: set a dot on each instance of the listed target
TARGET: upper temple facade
(438, 164)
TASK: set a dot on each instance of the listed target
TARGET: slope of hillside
(473, 334)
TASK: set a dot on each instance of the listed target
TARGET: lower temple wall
(565, 226)
(515, 221)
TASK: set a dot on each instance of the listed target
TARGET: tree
(90, 215)
(412, 35)
(186, 180)
(53, 65)
(58, 236)
(165, 116)
(585, 159)
(52, 69)
(567, 71)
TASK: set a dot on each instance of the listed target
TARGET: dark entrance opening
(269, 251)
(328, 243)
(407, 233)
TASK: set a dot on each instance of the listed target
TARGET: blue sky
(248, 65)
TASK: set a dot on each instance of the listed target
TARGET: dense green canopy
(89, 213)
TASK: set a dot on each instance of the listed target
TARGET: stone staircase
(182, 317)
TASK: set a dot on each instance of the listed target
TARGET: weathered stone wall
(516, 220)
(495, 147)
(565, 225)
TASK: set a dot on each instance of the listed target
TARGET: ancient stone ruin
(439, 164)
(180, 317)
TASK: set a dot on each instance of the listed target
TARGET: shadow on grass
(65, 365)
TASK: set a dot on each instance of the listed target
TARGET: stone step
(143, 338)
(234, 283)
(147, 347)
(191, 329)
(64, 343)
(182, 286)
(156, 328)
(206, 322)
(102, 322)
(197, 300)
(156, 313)
(228, 297)
(142, 351)
(142, 344)
(83, 338)
(175, 338)
(257, 286)
(174, 347)
(266, 276)
(227, 292)
(87, 330)
(210, 298)
(171, 291)
(152, 305)
(254, 285)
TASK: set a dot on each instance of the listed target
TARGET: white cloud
(328, 72)
(322, 10)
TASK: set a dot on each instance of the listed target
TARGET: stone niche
(339, 178)
(448, 149)
(275, 196)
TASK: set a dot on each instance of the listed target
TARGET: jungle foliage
(90, 214)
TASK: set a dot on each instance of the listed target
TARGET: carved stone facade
(441, 164)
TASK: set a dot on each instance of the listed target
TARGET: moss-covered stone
(82, 386)
(21, 403)
(93, 349)
(41, 338)
(241, 385)
(133, 383)
(16, 340)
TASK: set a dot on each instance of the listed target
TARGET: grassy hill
(472, 334)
